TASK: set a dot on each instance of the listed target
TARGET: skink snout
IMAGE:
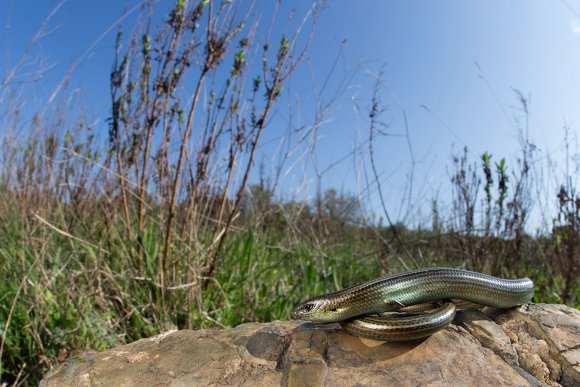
(304, 310)
(317, 309)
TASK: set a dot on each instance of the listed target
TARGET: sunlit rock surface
(531, 345)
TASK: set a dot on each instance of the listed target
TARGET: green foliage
(104, 244)
(239, 62)
(80, 297)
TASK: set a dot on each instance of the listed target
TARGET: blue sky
(451, 66)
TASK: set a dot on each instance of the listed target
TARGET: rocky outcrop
(529, 346)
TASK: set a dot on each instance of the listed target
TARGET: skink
(399, 291)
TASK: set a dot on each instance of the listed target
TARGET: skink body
(397, 291)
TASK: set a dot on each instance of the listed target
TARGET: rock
(547, 340)
(532, 345)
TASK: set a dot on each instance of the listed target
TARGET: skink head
(318, 310)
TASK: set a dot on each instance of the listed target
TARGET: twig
(66, 234)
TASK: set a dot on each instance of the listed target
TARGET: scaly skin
(406, 289)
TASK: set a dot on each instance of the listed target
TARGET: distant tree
(341, 207)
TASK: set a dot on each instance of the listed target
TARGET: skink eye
(308, 307)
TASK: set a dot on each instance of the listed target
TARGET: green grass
(106, 239)
(60, 295)
(64, 295)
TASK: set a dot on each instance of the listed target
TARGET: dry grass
(158, 226)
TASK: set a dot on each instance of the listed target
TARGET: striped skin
(393, 328)
(406, 289)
